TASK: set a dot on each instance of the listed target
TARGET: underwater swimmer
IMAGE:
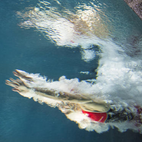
(67, 102)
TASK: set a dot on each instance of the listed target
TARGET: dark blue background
(21, 119)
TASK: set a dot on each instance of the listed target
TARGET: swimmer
(72, 103)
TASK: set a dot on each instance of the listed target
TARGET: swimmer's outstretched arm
(23, 86)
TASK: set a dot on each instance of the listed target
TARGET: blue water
(23, 120)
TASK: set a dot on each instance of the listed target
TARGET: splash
(81, 26)
(113, 99)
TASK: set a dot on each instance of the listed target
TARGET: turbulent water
(98, 31)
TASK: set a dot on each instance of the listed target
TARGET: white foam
(119, 75)
(67, 28)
